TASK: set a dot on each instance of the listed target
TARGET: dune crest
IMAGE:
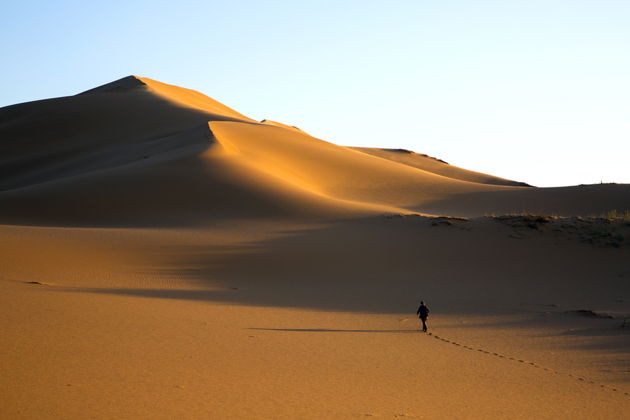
(121, 85)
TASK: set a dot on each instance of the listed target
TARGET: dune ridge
(121, 85)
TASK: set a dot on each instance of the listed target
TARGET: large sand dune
(164, 256)
(135, 139)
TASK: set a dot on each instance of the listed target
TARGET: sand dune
(119, 136)
(164, 256)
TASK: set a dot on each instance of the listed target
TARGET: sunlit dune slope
(343, 173)
(437, 166)
(336, 171)
(140, 152)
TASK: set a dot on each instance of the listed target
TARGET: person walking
(423, 314)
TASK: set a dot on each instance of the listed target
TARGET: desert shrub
(614, 215)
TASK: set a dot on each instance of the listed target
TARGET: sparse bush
(613, 215)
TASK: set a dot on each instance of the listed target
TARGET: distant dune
(437, 166)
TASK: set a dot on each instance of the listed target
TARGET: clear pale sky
(537, 91)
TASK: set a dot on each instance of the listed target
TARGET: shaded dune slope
(140, 152)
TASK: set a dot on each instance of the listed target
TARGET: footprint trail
(525, 362)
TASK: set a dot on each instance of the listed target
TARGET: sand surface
(164, 256)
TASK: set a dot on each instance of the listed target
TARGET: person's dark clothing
(423, 313)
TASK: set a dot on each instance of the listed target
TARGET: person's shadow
(331, 330)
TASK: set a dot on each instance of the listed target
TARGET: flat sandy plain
(164, 256)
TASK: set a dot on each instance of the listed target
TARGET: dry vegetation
(609, 230)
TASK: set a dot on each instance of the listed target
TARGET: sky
(535, 91)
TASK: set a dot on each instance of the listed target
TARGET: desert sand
(164, 256)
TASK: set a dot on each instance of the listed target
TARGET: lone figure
(423, 313)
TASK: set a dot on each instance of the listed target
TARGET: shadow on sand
(334, 331)
(387, 265)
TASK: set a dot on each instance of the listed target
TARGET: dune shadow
(385, 266)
